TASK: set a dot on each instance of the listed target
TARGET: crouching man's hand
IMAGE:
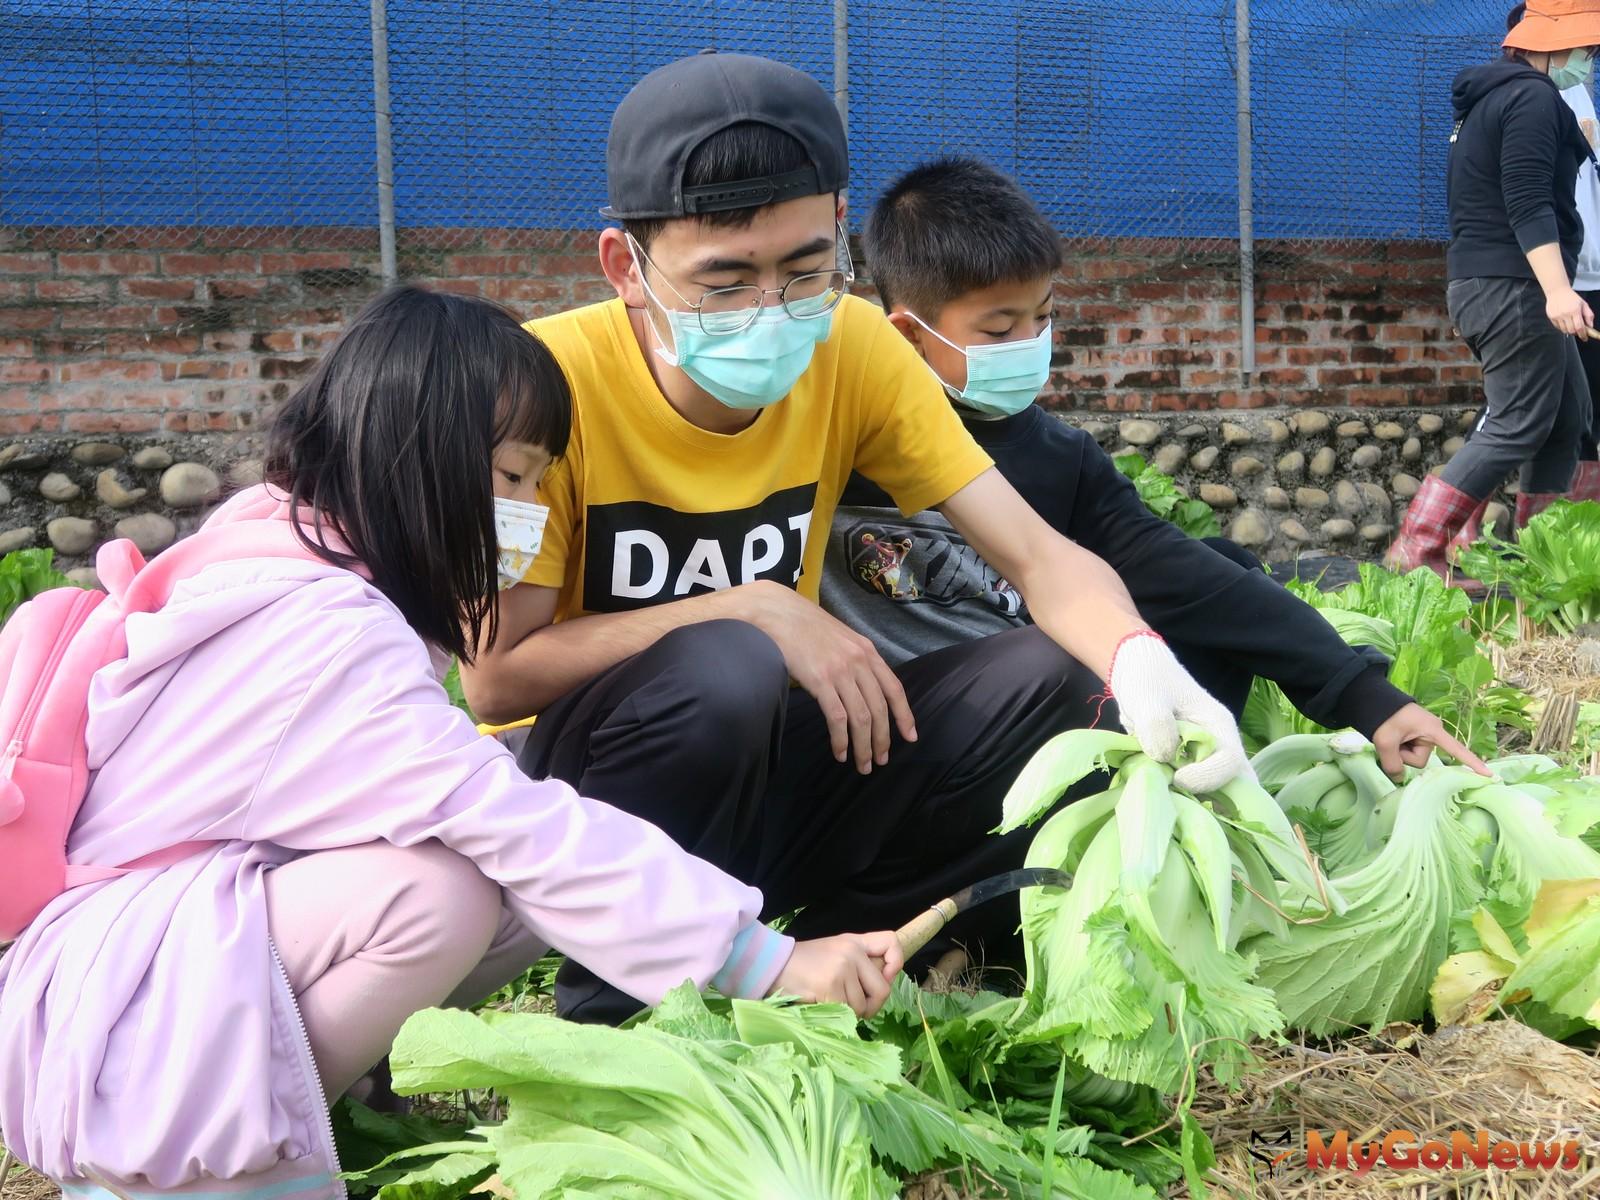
(1154, 693)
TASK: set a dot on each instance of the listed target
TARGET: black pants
(1536, 397)
(703, 735)
(1589, 355)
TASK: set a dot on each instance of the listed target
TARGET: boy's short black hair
(953, 226)
(742, 151)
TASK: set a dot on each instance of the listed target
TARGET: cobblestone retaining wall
(1283, 482)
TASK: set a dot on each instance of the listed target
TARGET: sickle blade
(1011, 881)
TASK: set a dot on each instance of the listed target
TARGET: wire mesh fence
(117, 119)
(1119, 119)
(508, 131)
(1352, 117)
(252, 122)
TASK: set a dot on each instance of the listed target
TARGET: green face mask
(1575, 72)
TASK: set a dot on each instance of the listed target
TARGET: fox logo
(1266, 1150)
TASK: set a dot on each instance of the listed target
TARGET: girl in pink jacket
(180, 1029)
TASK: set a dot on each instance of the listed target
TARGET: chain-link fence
(119, 117)
(122, 117)
(1352, 117)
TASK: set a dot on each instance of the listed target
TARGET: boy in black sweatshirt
(964, 264)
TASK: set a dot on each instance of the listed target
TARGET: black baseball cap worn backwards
(675, 108)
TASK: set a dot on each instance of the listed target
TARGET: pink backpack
(50, 649)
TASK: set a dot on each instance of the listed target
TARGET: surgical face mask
(518, 528)
(750, 369)
(1576, 71)
(1003, 378)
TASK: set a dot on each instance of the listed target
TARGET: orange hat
(1550, 25)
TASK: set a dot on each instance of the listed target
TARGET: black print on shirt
(914, 563)
(639, 554)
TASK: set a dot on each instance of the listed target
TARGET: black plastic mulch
(1327, 571)
(1332, 571)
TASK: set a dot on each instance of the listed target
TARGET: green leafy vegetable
(1555, 971)
(1410, 862)
(917, 1130)
(732, 1099)
(23, 575)
(1062, 761)
(1162, 497)
(1194, 925)
(1198, 1157)
(1572, 801)
(1332, 788)
(1373, 963)
(448, 1177)
(1132, 970)
(1424, 626)
(614, 1112)
(1528, 848)
(958, 1048)
(366, 1138)
(452, 688)
(1553, 567)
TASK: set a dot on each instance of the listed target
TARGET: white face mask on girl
(519, 529)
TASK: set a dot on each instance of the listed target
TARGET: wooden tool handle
(916, 933)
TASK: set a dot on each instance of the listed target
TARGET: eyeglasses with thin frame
(806, 297)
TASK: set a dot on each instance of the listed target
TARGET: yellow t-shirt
(647, 508)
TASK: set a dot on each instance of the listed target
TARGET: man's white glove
(1153, 693)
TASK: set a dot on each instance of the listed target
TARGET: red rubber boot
(1468, 533)
(1586, 483)
(1436, 513)
(1531, 504)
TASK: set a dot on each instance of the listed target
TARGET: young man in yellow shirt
(722, 401)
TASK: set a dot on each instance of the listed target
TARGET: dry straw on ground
(1502, 1077)
(1550, 664)
(1561, 674)
(19, 1183)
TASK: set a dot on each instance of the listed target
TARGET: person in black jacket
(1515, 234)
(964, 265)
(1586, 279)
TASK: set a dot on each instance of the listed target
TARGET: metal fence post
(841, 61)
(385, 140)
(1247, 235)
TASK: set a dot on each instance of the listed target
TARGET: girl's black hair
(389, 444)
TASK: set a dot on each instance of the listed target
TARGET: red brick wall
(1144, 327)
(193, 331)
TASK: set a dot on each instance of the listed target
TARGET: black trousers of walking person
(1537, 405)
(703, 735)
(1589, 355)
